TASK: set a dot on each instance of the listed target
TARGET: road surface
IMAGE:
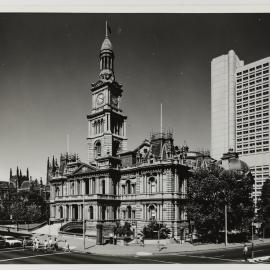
(224, 256)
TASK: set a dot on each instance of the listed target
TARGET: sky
(48, 62)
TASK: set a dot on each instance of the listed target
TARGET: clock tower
(106, 123)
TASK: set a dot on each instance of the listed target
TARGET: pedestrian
(115, 239)
(245, 252)
(34, 245)
(45, 246)
(50, 244)
(142, 240)
(37, 244)
(67, 249)
(24, 243)
(55, 244)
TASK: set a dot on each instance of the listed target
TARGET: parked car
(11, 241)
(28, 239)
(2, 242)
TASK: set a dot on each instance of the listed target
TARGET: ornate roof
(106, 45)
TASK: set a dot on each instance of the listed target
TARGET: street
(231, 255)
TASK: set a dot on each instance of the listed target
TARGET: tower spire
(106, 30)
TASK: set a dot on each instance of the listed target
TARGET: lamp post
(226, 226)
(252, 239)
(83, 226)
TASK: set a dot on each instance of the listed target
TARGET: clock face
(100, 99)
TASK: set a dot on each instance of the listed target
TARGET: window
(97, 149)
(91, 212)
(103, 212)
(103, 186)
(93, 186)
(72, 188)
(86, 184)
(78, 187)
(152, 212)
(128, 187)
(129, 212)
(153, 187)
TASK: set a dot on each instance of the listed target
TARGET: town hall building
(117, 184)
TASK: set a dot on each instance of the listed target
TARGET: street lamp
(226, 226)
(252, 239)
(83, 226)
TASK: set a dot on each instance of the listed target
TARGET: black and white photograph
(134, 137)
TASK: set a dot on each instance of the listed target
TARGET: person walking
(245, 252)
(24, 243)
(50, 243)
(34, 244)
(55, 244)
(45, 246)
(67, 249)
(37, 244)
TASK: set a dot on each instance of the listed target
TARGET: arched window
(152, 212)
(153, 185)
(97, 149)
(57, 191)
(128, 187)
(91, 212)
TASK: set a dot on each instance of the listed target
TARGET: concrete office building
(240, 113)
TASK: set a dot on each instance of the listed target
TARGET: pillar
(176, 212)
(175, 182)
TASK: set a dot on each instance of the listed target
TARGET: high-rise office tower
(240, 113)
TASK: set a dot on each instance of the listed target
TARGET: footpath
(76, 244)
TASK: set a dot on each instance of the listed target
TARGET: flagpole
(68, 143)
(161, 118)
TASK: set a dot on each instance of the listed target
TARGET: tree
(28, 206)
(124, 230)
(209, 190)
(151, 230)
(264, 203)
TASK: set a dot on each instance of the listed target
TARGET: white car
(11, 241)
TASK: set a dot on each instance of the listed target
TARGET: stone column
(175, 181)
(83, 186)
(70, 212)
(90, 185)
(79, 212)
(176, 212)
